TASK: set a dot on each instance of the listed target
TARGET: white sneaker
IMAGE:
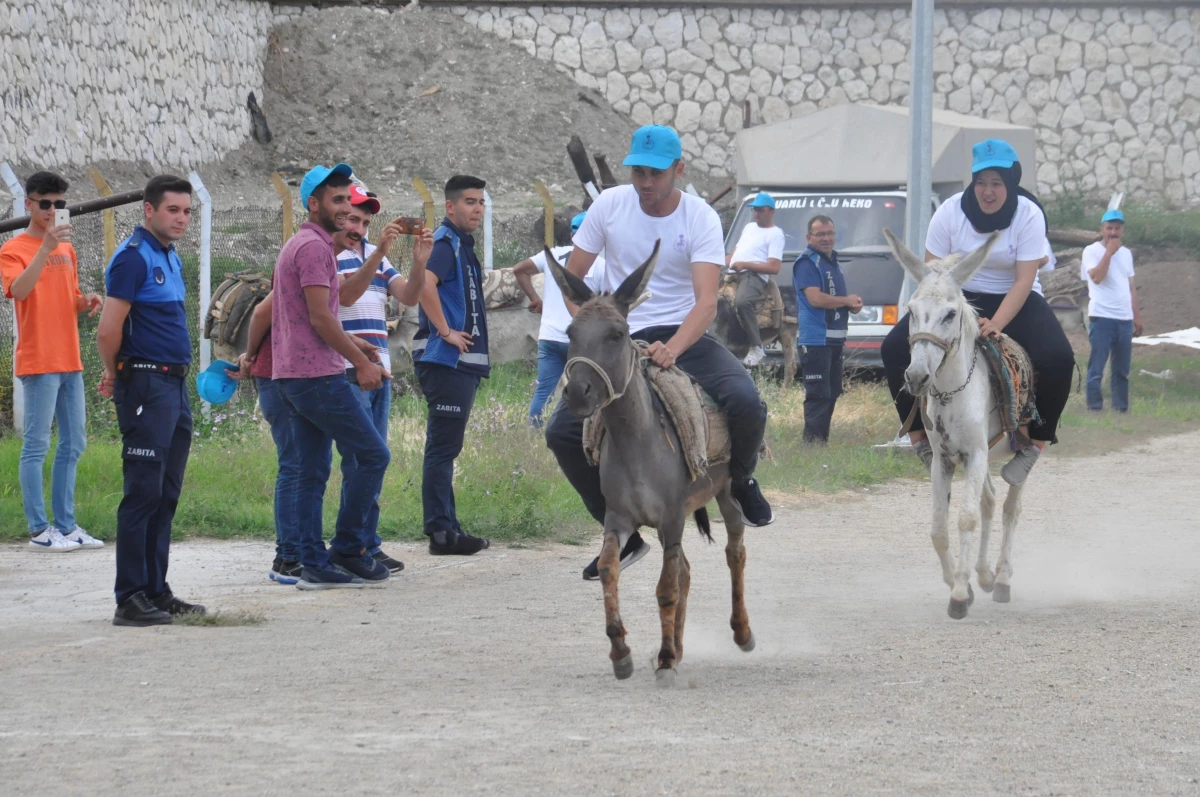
(83, 538)
(754, 357)
(52, 541)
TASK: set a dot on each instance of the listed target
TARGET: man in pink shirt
(308, 345)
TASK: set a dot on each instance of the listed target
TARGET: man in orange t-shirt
(40, 273)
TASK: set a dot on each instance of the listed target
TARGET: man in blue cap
(757, 257)
(624, 223)
(144, 344)
(309, 351)
(1113, 314)
(552, 334)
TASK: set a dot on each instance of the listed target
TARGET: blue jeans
(1113, 339)
(279, 414)
(47, 397)
(552, 359)
(326, 410)
(378, 404)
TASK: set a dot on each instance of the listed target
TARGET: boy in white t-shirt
(552, 334)
(624, 223)
(759, 251)
(1113, 313)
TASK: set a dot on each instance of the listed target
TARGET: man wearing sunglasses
(40, 273)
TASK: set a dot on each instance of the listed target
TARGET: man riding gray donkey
(642, 478)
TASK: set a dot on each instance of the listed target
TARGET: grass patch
(219, 619)
(1145, 225)
(509, 487)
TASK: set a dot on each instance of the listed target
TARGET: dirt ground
(490, 675)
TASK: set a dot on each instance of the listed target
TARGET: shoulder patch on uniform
(135, 240)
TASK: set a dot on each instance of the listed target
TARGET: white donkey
(951, 382)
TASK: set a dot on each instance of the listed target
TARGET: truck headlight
(870, 314)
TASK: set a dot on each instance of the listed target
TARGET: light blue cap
(577, 222)
(655, 147)
(992, 154)
(317, 175)
(763, 200)
(214, 385)
(1113, 215)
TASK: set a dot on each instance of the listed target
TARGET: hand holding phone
(62, 217)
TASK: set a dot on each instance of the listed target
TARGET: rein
(613, 394)
(948, 348)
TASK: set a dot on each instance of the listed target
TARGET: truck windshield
(858, 218)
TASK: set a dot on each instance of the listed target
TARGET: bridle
(948, 348)
(613, 394)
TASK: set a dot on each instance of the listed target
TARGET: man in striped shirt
(368, 280)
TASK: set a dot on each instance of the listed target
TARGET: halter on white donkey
(950, 380)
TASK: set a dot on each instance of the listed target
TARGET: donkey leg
(961, 595)
(1004, 571)
(685, 585)
(942, 473)
(668, 603)
(610, 572)
(735, 557)
(987, 510)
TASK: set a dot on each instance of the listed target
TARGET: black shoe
(138, 611)
(365, 567)
(755, 509)
(393, 565)
(456, 543)
(635, 549)
(173, 606)
(331, 577)
(284, 571)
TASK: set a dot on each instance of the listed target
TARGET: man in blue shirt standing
(450, 354)
(144, 344)
(824, 313)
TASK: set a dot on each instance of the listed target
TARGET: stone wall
(158, 80)
(1114, 94)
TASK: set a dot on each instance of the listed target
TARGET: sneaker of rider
(138, 611)
(754, 357)
(365, 567)
(924, 450)
(393, 565)
(284, 571)
(331, 577)
(51, 540)
(635, 548)
(1016, 471)
(754, 507)
(456, 543)
(84, 539)
(173, 606)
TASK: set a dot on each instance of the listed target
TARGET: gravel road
(490, 675)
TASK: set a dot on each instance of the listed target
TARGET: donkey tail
(701, 516)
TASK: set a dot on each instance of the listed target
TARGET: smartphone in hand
(62, 217)
(410, 225)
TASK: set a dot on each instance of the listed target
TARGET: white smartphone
(62, 217)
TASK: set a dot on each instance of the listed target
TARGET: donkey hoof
(748, 645)
(986, 586)
(664, 678)
(970, 595)
(1003, 593)
(623, 667)
(958, 609)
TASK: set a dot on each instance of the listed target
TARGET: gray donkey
(643, 475)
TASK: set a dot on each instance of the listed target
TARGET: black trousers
(1034, 327)
(156, 437)
(720, 375)
(450, 394)
(822, 386)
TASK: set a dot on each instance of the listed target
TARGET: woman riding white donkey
(1004, 229)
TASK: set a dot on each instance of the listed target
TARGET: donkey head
(938, 315)
(600, 358)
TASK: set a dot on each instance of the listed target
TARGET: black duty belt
(126, 368)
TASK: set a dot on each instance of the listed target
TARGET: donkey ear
(915, 266)
(573, 289)
(964, 269)
(635, 284)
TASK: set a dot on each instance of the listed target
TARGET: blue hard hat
(1113, 215)
(214, 385)
(763, 200)
(577, 222)
(655, 147)
(992, 154)
(317, 175)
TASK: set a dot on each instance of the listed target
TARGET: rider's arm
(705, 279)
(1014, 300)
(771, 266)
(524, 272)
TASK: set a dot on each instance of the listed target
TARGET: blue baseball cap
(655, 147)
(577, 222)
(214, 385)
(1113, 215)
(763, 200)
(317, 175)
(992, 154)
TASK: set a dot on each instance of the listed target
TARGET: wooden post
(289, 213)
(547, 203)
(108, 217)
(427, 197)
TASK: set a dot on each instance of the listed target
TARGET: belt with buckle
(149, 366)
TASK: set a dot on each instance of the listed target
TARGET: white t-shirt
(367, 318)
(758, 245)
(1110, 298)
(555, 316)
(1051, 264)
(616, 225)
(1025, 239)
